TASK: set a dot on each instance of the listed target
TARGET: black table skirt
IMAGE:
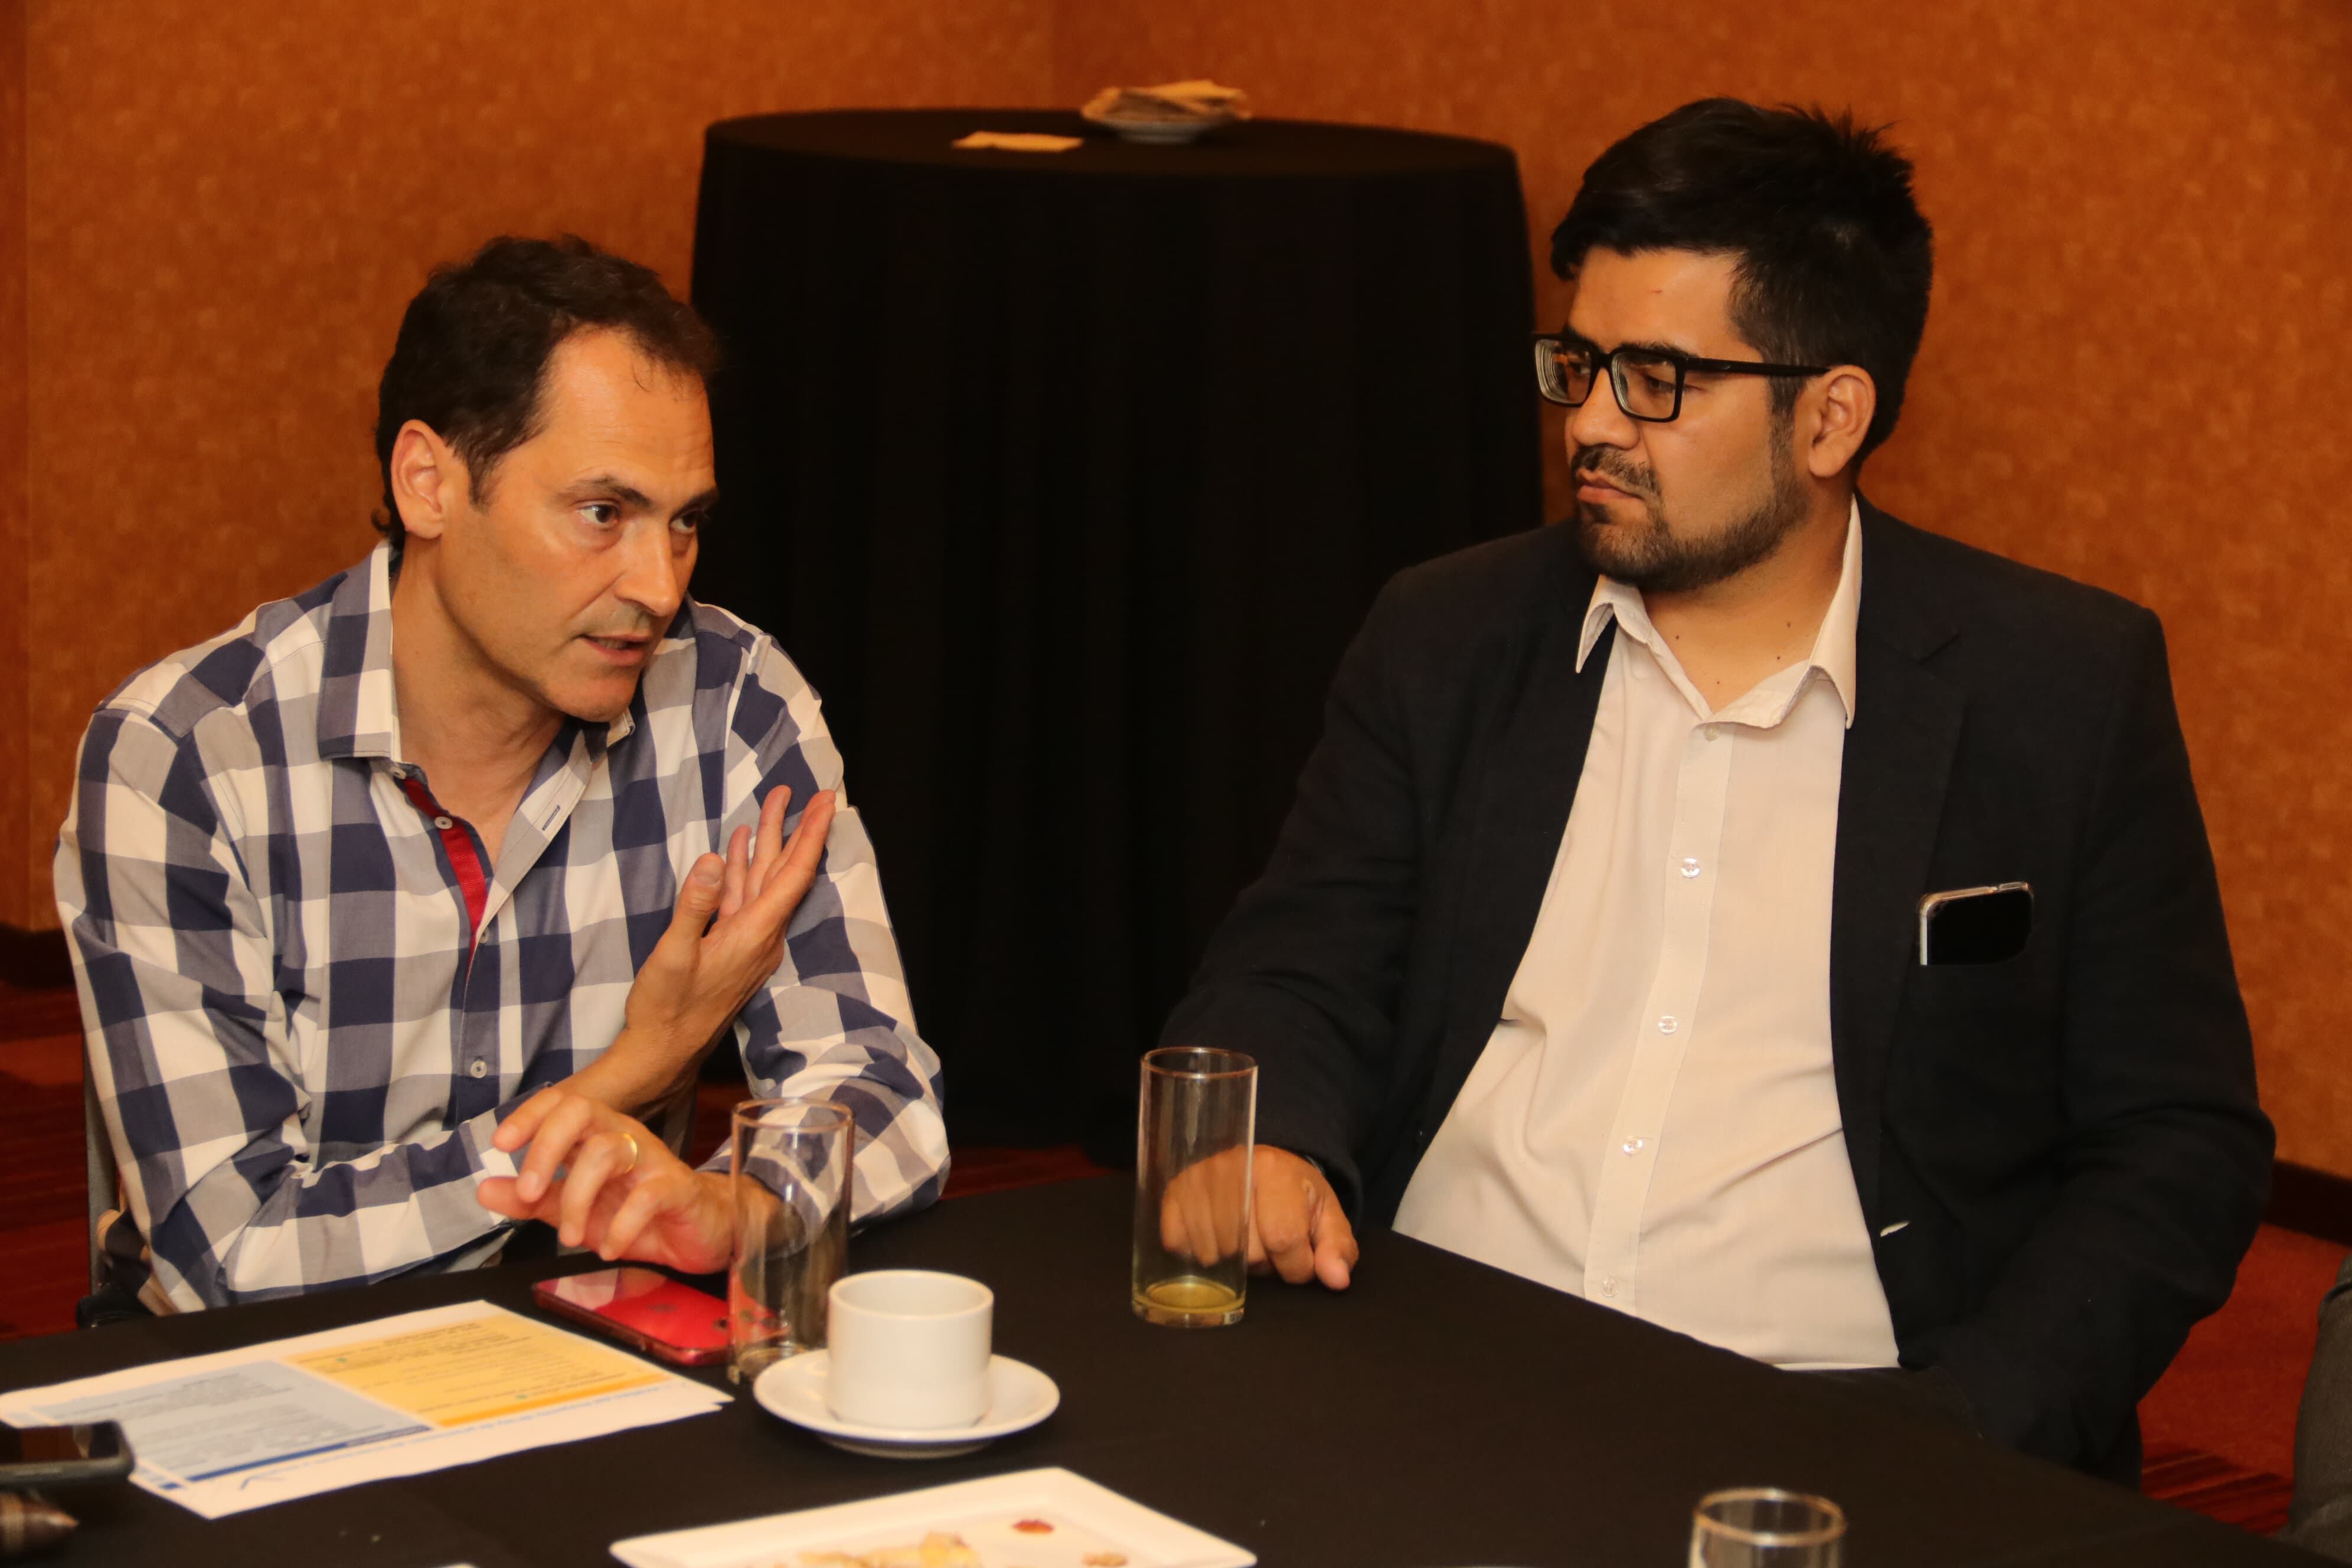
(1066, 478)
(1440, 1413)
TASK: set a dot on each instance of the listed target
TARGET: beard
(1652, 557)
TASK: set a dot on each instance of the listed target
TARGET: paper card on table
(236, 1430)
(1016, 141)
(484, 1367)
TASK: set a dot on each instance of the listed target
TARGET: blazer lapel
(1522, 805)
(1898, 759)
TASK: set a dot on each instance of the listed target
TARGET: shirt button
(1667, 1026)
(1715, 731)
(1634, 1145)
(1608, 1286)
(476, 1067)
(444, 823)
(1689, 866)
(397, 770)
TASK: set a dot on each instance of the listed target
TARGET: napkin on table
(1169, 101)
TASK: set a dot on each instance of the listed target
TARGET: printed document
(240, 1429)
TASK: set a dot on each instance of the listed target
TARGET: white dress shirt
(1653, 1124)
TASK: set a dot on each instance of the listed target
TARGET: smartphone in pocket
(644, 1309)
(1976, 925)
(62, 1456)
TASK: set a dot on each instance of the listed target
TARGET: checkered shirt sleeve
(836, 1023)
(300, 1042)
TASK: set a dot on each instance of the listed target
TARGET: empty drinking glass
(791, 1187)
(1764, 1527)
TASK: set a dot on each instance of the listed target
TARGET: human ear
(1843, 405)
(429, 479)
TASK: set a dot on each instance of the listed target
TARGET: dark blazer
(2069, 1139)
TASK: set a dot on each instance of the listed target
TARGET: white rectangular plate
(1089, 1521)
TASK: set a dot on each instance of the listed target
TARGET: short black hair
(474, 343)
(1835, 258)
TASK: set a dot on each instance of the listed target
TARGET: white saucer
(1019, 1396)
(1164, 132)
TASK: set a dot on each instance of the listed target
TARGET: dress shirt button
(476, 1067)
(1689, 866)
(397, 770)
(1634, 1145)
(1715, 731)
(1667, 1026)
(444, 823)
(1608, 1285)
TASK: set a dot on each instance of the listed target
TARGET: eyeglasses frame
(1684, 365)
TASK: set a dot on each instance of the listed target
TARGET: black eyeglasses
(1648, 382)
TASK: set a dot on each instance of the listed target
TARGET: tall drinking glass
(1192, 1136)
(1764, 1527)
(791, 1177)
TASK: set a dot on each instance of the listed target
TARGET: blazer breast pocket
(1983, 998)
(1980, 1034)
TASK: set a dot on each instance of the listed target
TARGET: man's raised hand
(726, 939)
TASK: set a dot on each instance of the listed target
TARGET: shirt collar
(1832, 652)
(359, 710)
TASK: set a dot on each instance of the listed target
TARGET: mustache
(1616, 468)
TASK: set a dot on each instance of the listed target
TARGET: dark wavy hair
(1836, 259)
(474, 346)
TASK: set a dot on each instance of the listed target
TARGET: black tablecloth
(1066, 479)
(1438, 1413)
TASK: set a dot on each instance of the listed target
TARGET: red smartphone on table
(644, 1309)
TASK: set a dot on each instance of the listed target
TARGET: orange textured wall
(15, 748)
(229, 203)
(2130, 196)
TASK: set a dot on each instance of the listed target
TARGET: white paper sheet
(398, 1396)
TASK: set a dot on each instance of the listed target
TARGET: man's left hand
(725, 941)
(609, 1184)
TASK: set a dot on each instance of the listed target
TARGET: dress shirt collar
(1833, 653)
(359, 710)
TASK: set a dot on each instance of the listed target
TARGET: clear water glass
(791, 1180)
(1764, 1527)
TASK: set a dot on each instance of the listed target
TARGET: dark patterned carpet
(2207, 1484)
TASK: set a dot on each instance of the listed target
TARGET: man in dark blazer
(2008, 1141)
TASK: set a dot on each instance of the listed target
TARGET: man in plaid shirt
(477, 848)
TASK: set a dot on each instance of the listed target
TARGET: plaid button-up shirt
(300, 1040)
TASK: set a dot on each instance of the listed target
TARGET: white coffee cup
(908, 1348)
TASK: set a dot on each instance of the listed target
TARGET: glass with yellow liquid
(1193, 1137)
